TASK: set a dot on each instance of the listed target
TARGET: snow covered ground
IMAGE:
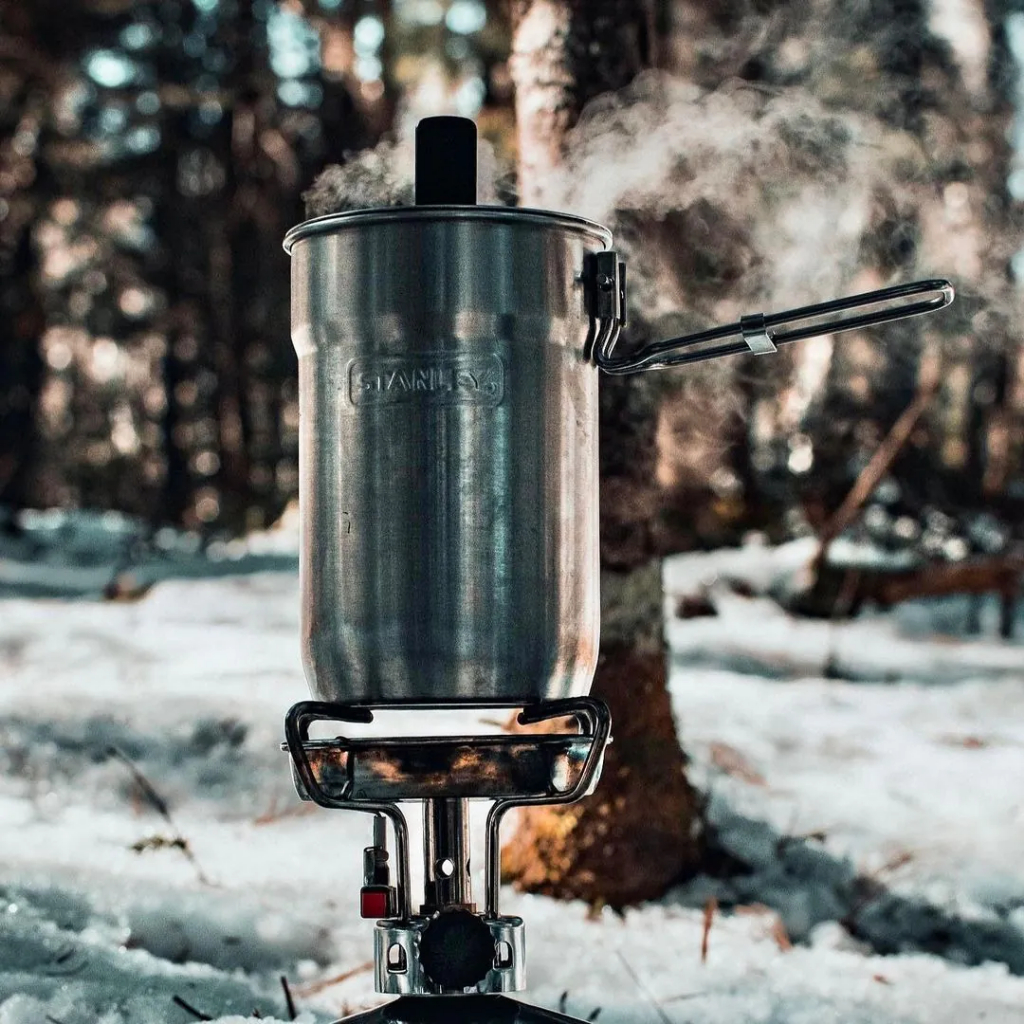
(870, 828)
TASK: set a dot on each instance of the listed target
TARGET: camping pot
(448, 369)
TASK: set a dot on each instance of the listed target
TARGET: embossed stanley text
(431, 379)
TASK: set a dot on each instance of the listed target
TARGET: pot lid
(446, 191)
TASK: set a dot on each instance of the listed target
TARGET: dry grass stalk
(289, 1002)
(160, 805)
(273, 815)
(189, 1008)
(734, 763)
(319, 986)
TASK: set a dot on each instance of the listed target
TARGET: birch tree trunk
(637, 834)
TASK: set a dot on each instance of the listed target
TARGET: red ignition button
(375, 901)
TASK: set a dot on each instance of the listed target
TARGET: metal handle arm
(760, 333)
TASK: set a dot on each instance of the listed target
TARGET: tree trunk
(25, 77)
(637, 834)
(564, 53)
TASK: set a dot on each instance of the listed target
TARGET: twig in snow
(159, 804)
(709, 916)
(873, 888)
(562, 1000)
(785, 841)
(595, 1013)
(967, 742)
(731, 761)
(124, 586)
(898, 860)
(160, 843)
(780, 935)
(53, 1020)
(684, 995)
(337, 979)
(289, 1002)
(776, 927)
(155, 800)
(61, 961)
(644, 989)
(505, 726)
(188, 1008)
(271, 815)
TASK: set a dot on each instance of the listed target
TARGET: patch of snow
(103, 917)
(81, 553)
(755, 635)
(760, 568)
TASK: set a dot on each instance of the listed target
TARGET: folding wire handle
(759, 333)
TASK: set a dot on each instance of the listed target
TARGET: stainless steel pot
(448, 455)
(448, 368)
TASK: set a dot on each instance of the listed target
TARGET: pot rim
(391, 214)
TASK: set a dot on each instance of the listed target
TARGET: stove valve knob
(457, 950)
(377, 898)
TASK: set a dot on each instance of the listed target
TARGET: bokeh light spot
(466, 17)
(368, 35)
(110, 68)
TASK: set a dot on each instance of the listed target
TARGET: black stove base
(458, 1010)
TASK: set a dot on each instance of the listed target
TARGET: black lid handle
(446, 162)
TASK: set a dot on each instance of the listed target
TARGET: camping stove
(445, 946)
(449, 357)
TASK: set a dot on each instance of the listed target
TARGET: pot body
(448, 455)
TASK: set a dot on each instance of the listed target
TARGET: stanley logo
(439, 379)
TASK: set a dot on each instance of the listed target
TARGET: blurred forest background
(153, 153)
(748, 155)
(152, 157)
